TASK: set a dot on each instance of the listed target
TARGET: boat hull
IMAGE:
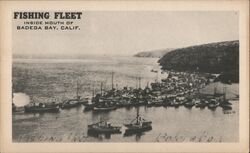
(94, 129)
(135, 130)
(104, 131)
(41, 110)
(104, 108)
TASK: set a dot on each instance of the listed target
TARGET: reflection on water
(58, 80)
(168, 124)
(137, 134)
(100, 136)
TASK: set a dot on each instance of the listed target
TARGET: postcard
(125, 76)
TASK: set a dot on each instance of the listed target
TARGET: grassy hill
(220, 57)
(156, 53)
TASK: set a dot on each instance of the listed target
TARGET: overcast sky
(122, 32)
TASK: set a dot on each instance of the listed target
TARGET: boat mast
(101, 88)
(215, 90)
(136, 83)
(112, 80)
(157, 76)
(139, 82)
(137, 115)
(93, 90)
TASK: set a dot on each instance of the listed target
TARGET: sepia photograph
(128, 76)
(124, 77)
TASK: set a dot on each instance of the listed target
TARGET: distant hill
(220, 57)
(156, 53)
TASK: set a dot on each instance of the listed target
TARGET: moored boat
(226, 107)
(73, 102)
(103, 127)
(213, 104)
(70, 103)
(41, 107)
(137, 125)
(190, 103)
(201, 104)
(104, 108)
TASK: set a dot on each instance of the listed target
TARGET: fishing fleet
(178, 89)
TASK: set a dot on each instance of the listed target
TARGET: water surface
(46, 80)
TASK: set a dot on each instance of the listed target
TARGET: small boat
(103, 127)
(86, 100)
(189, 104)
(172, 103)
(70, 103)
(73, 102)
(104, 108)
(137, 125)
(41, 107)
(178, 101)
(150, 103)
(168, 102)
(155, 71)
(104, 104)
(236, 97)
(158, 102)
(225, 104)
(177, 104)
(213, 104)
(226, 107)
(201, 104)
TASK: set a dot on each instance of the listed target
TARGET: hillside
(221, 58)
(156, 53)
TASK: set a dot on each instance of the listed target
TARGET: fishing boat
(123, 102)
(86, 100)
(104, 108)
(72, 102)
(41, 107)
(213, 104)
(138, 125)
(150, 102)
(91, 102)
(201, 103)
(236, 97)
(190, 103)
(104, 104)
(158, 102)
(155, 71)
(226, 107)
(168, 101)
(178, 101)
(103, 127)
(224, 103)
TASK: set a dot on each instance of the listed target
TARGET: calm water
(43, 80)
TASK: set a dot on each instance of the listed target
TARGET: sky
(130, 32)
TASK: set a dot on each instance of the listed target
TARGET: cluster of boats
(137, 125)
(107, 104)
(174, 91)
(51, 107)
